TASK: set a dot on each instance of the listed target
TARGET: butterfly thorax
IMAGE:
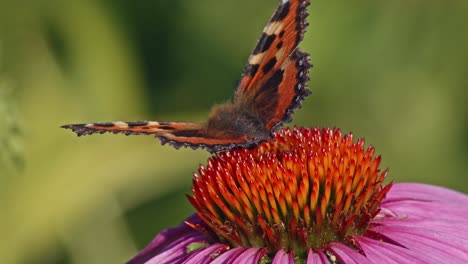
(232, 120)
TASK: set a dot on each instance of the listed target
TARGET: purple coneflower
(312, 196)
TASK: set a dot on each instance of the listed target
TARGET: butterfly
(272, 86)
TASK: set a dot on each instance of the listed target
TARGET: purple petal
(443, 246)
(173, 253)
(417, 224)
(425, 219)
(428, 209)
(417, 191)
(347, 255)
(381, 252)
(170, 244)
(282, 257)
(229, 256)
(454, 228)
(251, 256)
(316, 257)
(206, 255)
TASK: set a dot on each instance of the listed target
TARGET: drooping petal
(283, 257)
(250, 256)
(381, 252)
(347, 255)
(417, 202)
(428, 210)
(229, 256)
(426, 219)
(316, 257)
(457, 228)
(443, 246)
(170, 244)
(206, 255)
(417, 191)
(175, 252)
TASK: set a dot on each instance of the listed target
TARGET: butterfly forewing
(176, 134)
(279, 39)
(137, 128)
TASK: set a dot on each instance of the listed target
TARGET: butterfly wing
(283, 92)
(280, 37)
(272, 85)
(176, 134)
(274, 80)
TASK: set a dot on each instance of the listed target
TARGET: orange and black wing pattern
(279, 39)
(176, 134)
(272, 86)
(283, 92)
(274, 81)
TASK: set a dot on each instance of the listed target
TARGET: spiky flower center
(300, 190)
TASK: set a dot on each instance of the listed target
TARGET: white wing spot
(274, 28)
(120, 124)
(153, 123)
(257, 58)
(280, 54)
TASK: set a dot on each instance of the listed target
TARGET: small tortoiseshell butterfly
(273, 84)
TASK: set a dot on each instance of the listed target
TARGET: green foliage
(11, 160)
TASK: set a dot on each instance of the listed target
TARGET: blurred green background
(394, 72)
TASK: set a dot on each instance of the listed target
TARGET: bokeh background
(394, 72)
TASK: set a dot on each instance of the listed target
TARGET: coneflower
(312, 196)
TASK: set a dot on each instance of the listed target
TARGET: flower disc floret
(299, 191)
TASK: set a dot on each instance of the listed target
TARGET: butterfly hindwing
(284, 91)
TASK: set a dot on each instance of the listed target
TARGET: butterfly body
(233, 121)
(273, 85)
